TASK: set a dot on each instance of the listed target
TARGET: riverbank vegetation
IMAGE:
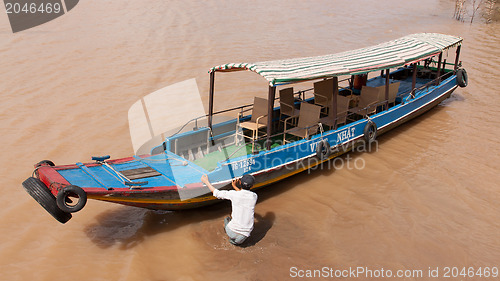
(466, 10)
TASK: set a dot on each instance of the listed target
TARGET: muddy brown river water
(427, 199)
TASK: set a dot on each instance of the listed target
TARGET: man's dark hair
(247, 181)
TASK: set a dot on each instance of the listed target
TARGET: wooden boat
(309, 127)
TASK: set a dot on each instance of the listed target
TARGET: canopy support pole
(211, 99)
(270, 108)
(457, 56)
(414, 80)
(387, 89)
(439, 68)
(334, 99)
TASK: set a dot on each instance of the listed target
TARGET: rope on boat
(125, 179)
(229, 157)
(122, 176)
(184, 162)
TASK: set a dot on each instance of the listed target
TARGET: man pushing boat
(239, 226)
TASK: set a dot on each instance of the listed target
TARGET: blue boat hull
(178, 184)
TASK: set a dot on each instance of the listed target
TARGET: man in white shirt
(239, 226)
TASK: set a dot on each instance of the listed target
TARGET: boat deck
(223, 145)
(210, 160)
(165, 168)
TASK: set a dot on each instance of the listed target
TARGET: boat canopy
(402, 51)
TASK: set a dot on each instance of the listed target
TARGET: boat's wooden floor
(140, 173)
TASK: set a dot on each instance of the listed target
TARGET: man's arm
(221, 194)
(204, 179)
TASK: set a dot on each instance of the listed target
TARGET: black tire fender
(44, 162)
(323, 150)
(63, 198)
(462, 78)
(45, 198)
(370, 131)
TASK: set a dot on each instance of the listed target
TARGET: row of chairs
(370, 98)
(307, 118)
(304, 121)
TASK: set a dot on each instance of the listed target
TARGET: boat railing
(375, 105)
(247, 107)
(300, 94)
(405, 96)
(195, 120)
(435, 82)
(200, 122)
(444, 62)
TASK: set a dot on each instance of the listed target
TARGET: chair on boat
(287, 103)
(368, 99)
(323, 92)
(393, 92)
(307, 124)
(257, 122)
(342, 111)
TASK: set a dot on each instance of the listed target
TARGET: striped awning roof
(394, 53)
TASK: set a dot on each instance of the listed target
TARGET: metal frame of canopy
(407, 50)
